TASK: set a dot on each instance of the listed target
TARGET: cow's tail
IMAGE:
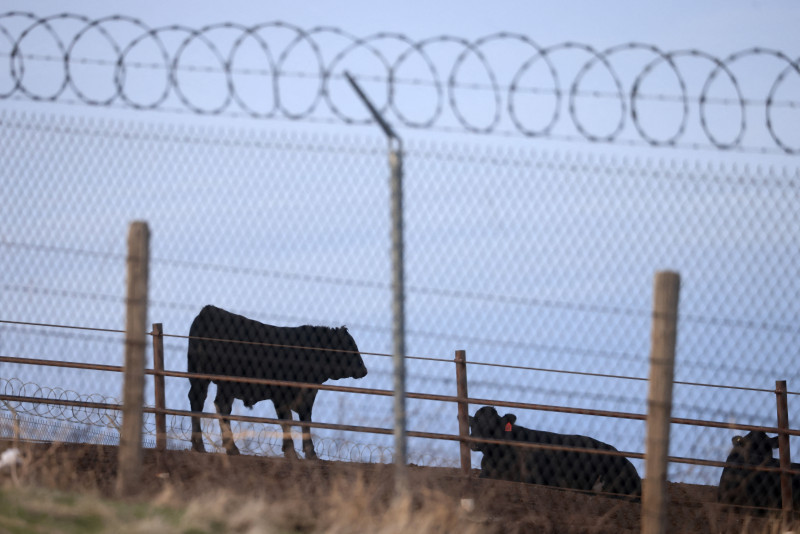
(198, 389)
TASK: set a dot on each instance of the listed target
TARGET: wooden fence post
(130, 440)
(784, 451)
(463, 409)
(659, 401)
(158, 389)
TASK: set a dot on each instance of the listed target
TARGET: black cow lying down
(741, 485)
(223, 343)
(565, 469)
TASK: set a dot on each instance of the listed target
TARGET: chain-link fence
(538, 263)
(541, 262)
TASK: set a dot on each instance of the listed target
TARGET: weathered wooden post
(784, 452)
(130, 440)
(158, 390)
(664, 333)
(463, 409)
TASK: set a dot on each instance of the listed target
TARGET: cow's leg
(308, 444)
(197, 397)
(224, 402)
(304, 412)
(285, 415)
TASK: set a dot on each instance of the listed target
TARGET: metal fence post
(784, 453)
(659, 401)
(398, 290)
(130, 441)
(398, 313)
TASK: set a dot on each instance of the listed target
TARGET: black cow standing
(561, 468)
(742, 485)
(223, 343)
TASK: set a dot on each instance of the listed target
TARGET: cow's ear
(773, 442)
(509, 418)
(469, 418)
(738, 441)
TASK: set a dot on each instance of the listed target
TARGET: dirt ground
(499, 506)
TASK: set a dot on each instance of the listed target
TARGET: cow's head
(487, 423)
(754, 447)
(348, 362)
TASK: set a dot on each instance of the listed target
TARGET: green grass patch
(34, 510)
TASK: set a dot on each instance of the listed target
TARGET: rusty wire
(389, 393)
(408, 357)
(265, 439)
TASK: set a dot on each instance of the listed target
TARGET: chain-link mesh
(538, 263)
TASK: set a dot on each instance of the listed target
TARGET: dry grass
(197, 493)
(66, 488)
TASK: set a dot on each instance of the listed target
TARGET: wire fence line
(441, 82)
(59, 396)
(704, 412)
(11, 359)
(43, 402)
(51, 402)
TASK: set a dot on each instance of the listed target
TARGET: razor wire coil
(41, 421)
(135, 51)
